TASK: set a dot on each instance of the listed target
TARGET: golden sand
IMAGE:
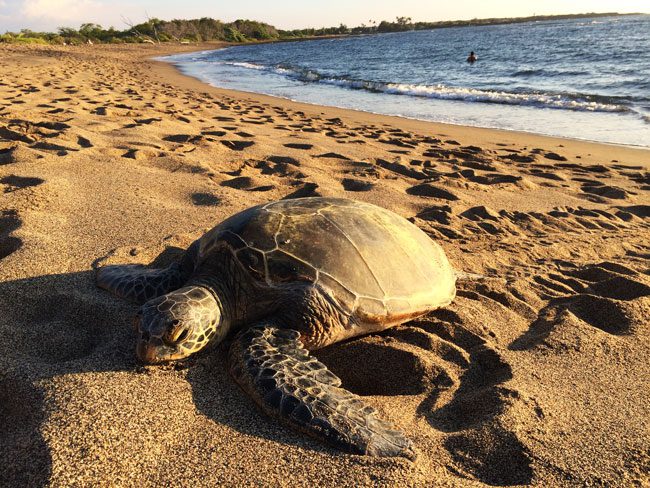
(537, 374)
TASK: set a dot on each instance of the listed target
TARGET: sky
(285, 14)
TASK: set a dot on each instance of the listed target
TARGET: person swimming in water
(472, 58)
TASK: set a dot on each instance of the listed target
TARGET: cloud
(50, 14)
(59, 10)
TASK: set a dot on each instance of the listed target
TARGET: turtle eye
(176, 335)
(182, 335)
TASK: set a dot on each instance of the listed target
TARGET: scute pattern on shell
(375, 264)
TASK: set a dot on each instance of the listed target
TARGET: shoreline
(169, 70)
(399, 117)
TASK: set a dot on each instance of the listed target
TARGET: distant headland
(207, 29)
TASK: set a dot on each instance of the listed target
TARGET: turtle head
(176, 325)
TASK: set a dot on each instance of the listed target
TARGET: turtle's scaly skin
(293, 275)
(272, 366)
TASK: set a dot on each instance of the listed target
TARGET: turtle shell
(374, 264)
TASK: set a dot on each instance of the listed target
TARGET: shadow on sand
(58, 325)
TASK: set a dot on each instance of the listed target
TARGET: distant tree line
(153, 30)
(207, 29)
(402, 24)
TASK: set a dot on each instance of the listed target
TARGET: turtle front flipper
(140, 284)
(273, 367)
(137, 283)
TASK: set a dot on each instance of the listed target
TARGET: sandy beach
(537, 374)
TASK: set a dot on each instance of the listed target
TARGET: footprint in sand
(214, 133)
(641, 211)
(351, 184)
(204, 199)
(406, 143)
(479, 165)
(403, 169)
(7, 156)
(256, 122)
(59, 149)
(554, 156)
(493, 178)
(333, 155)
(13, 135)
(237, 145)
(431, 191)
(83, 142)
(284, 160)
(14, 183)
(139, 154)
(183, 138)
(548, 175)
(102, 111)
(606, 191)
(247, 183)
(437, 213)
(9, 244)
(557, 222)
(280, 169)
(521, 158)
(606, 296)
(294, 145)
(309, 189)
(148, 121)
(584, 169)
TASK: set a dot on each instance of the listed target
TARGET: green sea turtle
(289, 277)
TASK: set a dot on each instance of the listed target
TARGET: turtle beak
(146, 353)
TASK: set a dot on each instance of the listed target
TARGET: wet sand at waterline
(537, 373)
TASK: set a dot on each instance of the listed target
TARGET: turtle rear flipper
(274, 368)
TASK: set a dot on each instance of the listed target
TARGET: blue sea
(582, 79)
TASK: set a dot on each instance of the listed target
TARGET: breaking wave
(564, 101)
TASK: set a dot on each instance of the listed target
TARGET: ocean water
(583, 79)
